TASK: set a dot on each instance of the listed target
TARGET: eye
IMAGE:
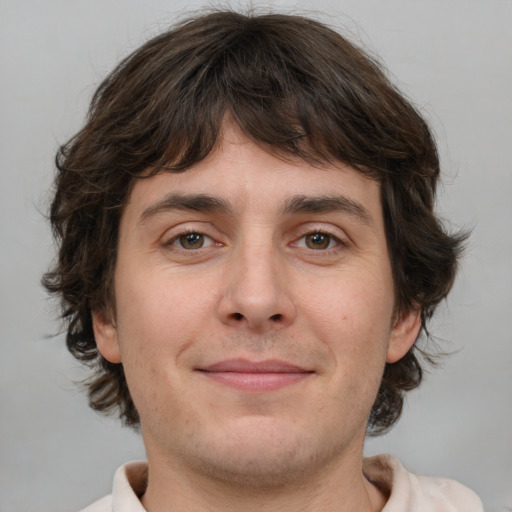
(318, 241)
(192, 241)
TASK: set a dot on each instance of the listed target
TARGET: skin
(254, 280)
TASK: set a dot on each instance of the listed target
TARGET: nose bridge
(256, 293)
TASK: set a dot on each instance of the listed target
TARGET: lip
(255, 376)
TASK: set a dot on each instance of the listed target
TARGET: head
(297, 90)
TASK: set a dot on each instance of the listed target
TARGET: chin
(262, 453)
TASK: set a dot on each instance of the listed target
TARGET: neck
(339, 488)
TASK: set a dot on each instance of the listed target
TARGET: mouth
(255, 376)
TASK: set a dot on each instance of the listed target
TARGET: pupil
(192, 241)
(318, 241)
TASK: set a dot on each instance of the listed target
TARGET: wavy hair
(294, 86)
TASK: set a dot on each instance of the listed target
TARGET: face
(254, 313)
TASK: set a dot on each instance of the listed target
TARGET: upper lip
(247, 366)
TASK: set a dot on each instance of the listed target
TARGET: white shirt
(407, 492)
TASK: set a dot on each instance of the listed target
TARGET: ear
(405, 331)
(105, 334)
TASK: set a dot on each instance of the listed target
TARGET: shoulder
(129, 484)
(102, 505)
(412, 493)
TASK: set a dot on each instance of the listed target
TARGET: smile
(259, 376)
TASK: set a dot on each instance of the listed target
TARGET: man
(248, 253)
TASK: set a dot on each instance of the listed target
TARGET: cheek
(354, 302)
(160, 315)
(158, 322)
(162, 299)
(352, 317)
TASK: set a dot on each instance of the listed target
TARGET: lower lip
(257, 382)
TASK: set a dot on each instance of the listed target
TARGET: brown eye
(191, 241)
(318, 241)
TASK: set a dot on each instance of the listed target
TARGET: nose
(256, 292)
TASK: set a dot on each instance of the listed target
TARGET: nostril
(274, 318)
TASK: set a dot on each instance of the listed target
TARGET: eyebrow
(328, 204)
(293, 205)
(186, 202)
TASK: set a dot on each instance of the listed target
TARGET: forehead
(246, 176)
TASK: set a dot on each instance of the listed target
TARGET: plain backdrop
(452, 57)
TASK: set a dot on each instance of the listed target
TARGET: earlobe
(105, 334)
(404, 334)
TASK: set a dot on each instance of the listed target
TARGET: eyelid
(330, 230)
(175, 241)
(332, 238)
(173, 235)
(301, 244)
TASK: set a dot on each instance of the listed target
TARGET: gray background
(454, 58)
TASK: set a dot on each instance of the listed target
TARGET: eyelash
(339, 244)
(332, 239)
(176, 238)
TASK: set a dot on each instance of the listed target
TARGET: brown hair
(294, 86)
